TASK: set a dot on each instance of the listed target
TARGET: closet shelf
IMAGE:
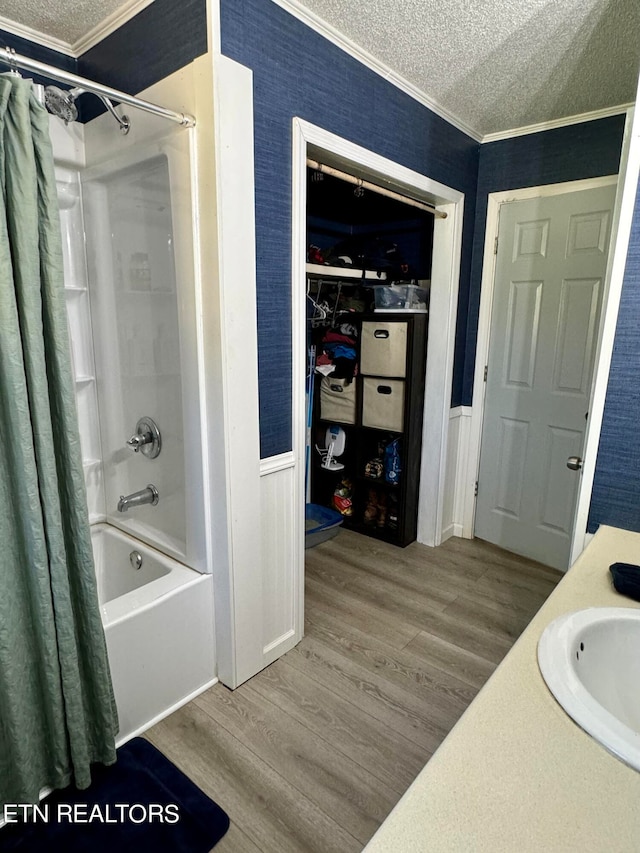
(323, 271)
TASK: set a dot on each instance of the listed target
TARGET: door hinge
(495, 247)
(475, 489)
(486, 371)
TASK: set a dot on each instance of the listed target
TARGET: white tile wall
(78, 312)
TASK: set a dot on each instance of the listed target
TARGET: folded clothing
(339, 351)
(337, 338)
(626, 579)
(325, 369)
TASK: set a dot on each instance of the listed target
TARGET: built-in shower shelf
(72, 288)
(91, 463)
(151, 291)
(150, 375)
(85, 380)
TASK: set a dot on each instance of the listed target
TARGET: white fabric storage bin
(383, 403)
(383, 349)
(338, 400)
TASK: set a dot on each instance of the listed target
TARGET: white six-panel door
(550, 268)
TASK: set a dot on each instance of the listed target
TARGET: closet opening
(368, 284)
(429, 250)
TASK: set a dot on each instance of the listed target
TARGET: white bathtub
(158, 621)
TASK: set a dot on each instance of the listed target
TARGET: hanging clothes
(57, 710)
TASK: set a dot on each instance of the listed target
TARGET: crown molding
(294, 7)
(580, 118)
(354, 50)
(109, 25)
(306, 16)
(36, 36)
(95, 35)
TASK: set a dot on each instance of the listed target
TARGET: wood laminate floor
(313, 753)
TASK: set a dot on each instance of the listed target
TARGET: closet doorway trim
(319, 144)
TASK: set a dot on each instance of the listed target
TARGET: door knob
(574, 462)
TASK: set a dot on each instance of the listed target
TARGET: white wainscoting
(457, 477)
(280, 553)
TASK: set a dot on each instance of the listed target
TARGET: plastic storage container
(321, 523)
(401, 297)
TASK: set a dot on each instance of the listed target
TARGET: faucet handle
(136, 441)
(147, 438)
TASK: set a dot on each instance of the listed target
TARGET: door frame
(606, 332)
(310, 140)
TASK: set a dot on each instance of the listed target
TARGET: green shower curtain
(57, 711)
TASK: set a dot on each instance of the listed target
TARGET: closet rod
(359, 182)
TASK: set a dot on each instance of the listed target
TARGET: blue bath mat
(149, 803)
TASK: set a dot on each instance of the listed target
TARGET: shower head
(62, 103)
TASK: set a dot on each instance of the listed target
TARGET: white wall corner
(233, 362)
(456, 472)
(213, 26)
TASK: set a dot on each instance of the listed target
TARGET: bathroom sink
(590, 661)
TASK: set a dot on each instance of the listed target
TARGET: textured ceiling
(65, 20)
(501, 64)
(493, 64)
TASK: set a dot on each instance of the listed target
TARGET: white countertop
(516, 773)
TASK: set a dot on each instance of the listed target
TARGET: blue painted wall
(615, 498)
(572, 153)
(41, 54)
(299, 73)
(158, 41)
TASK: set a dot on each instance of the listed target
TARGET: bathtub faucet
(144, 496)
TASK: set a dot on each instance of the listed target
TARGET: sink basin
(590, 661)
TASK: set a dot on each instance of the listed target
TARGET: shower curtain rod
(14, 60)
(359, 182)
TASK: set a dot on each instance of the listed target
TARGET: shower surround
(128, 245)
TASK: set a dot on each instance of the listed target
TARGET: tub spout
(145, 496)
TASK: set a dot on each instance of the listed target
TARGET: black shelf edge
(369, 481)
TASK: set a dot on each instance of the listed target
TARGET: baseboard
(453, 529)
(143, 728)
